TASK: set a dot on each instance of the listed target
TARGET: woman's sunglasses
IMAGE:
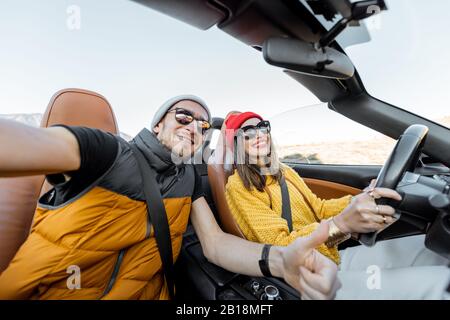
(186, 117)
(251, 131)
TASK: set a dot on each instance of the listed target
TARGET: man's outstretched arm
(26, 150)
(299, 264)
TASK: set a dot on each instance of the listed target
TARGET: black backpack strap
(285, 203)
(158, 217)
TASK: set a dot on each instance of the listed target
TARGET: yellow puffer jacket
(99, 246)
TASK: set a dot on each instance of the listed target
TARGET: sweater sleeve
(323, 209)
(260, 223)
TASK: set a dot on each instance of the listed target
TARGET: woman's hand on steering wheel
(363, 215)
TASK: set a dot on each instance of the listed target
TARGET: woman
(254, 196)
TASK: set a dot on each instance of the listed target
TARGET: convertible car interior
(418, 167)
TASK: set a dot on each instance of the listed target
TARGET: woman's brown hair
(253, 175)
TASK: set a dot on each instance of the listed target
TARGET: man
(95, 220)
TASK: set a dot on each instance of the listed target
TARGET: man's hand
(304, 268)
(308, 271)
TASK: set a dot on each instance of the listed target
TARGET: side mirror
(306, 58)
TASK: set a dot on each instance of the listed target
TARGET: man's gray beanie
(161, 112)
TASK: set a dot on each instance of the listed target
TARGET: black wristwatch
(264, 261)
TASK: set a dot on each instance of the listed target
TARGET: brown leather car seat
(220, 167)
(18, 196)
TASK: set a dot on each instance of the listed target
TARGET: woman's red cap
(234, 122)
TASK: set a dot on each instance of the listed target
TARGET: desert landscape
(373, 151)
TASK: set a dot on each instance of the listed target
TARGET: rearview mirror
(303, 57)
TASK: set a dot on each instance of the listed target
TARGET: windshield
(406, 62)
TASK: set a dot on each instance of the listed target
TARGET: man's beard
(182, 154)
(179, 154)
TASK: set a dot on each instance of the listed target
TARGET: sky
(406, 62)
(138, 58)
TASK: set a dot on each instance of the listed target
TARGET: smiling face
(257, 144)
(182, 140)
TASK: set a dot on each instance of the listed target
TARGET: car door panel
(330, 190)
(335, 179)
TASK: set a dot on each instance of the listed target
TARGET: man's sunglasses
(186, 117)
(251, 131)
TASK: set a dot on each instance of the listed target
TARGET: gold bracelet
(335, 235)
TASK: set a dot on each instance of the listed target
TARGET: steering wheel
(403, 158)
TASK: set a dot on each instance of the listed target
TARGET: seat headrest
(78, 107)
(220, 167)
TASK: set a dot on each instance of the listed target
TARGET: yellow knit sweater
(259, 223)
